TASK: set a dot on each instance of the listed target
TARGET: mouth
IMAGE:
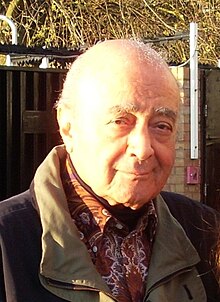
(135, 173)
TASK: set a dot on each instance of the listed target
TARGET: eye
(120, 121)
(120, 125)
(164, 126)
(124, 121)
(162, 129)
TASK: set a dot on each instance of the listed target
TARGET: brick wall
(177, 181)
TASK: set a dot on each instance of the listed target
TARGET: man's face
(123, 138)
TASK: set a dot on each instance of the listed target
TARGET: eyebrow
(131, 108)
(128, 108)
(166, 112)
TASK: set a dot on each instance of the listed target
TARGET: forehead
(134, 86)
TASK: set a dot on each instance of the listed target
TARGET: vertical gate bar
(23, 85)
(9, 105)
(48, 100)
(36, 108)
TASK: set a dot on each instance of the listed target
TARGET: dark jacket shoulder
(200, 222)
(202, 226)
(190, 212)
(16, 214)
(16, 203)
(20, 251)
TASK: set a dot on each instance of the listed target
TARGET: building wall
(177, 181)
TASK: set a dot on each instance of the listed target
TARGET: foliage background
(81, 23)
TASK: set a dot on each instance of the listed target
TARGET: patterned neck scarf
(119, 248)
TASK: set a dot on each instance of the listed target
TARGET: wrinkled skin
(122, 140)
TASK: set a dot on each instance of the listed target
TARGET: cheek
(98, 154)
(108, 159)
(165, 155)
(98, 151)
(116, 152)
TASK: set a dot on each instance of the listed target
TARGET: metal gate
(211, 137)
(28, 128)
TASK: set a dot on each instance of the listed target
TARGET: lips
(141, 173)
(136, 172)
(143, 169)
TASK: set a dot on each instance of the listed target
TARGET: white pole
(12, 26)
(14, 36)
(194, 127)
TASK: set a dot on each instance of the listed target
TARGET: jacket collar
(64, 256)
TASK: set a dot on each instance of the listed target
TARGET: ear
(65, 127)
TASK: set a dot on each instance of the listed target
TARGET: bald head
(107, 61)
(103, 54)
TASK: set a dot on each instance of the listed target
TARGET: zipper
(65, 285)
(166, 279)
(71, 286)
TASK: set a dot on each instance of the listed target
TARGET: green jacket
(172, 272)
(39, 241)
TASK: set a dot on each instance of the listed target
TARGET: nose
(140, 144)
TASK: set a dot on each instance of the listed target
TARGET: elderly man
(94, 225)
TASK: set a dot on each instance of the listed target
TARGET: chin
(133, 201)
